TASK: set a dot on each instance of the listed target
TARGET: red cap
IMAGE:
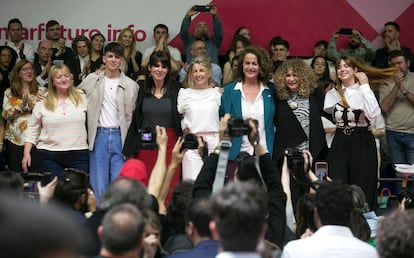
(135, 169)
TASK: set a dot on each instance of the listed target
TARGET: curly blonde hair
(303, 71)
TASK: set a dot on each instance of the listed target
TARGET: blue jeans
(400, 147)
(106, 159)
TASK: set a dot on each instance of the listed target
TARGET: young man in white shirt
(111, 99)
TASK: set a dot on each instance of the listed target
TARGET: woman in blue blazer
(251, 96)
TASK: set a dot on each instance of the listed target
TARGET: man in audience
(61, 53)
(199, 49)
(279, 51)
(121, 232)
(44, 62)
(161, 43)
(198, 218)
(23, 49)
(111, 99)
(333, 207)
(202, 33)
(239, 219)
(122, 190)
(397, 100)
(395, 235)
(391, 34)
(359, 47)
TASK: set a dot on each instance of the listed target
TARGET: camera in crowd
(148, 138)
(408, 195)
(31, 180)
(239, 127)
(295, 163)
(202, 8)
(190, 142)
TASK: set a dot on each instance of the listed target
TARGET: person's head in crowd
(11, 182)
(320, 67)
(354, 40)
(115, 51)
(197, 218)
(127, 40)
(135, 169)
(181, 196)
(81, 46)
(359, 226)
(246, 168)
(33, 231)
(61, 82)
(121, 232)
(8, 58)
(152, 233)
(334, 204)
(72, 189)
(294, 76)
(238, 44)
(44, 51)
(239, 216)
(234, 64)
(15, 29)
(279, 49)
(200, 73)
(97, 42)
(399, 59)
(160, 31)
(202, 32)
(304, 214)
(320, 48)
(359, 199)
(395, 235)
(391, 31)
(158, 71)
(23, 73)
(125, 190)
(254, 65)
(198, 48)
(53, 30)
(243, 31)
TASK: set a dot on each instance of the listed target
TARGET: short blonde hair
(51, 98)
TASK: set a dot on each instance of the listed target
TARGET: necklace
(292, 101)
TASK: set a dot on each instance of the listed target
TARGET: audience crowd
(164, 154)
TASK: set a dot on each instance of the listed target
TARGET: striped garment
(61, 130)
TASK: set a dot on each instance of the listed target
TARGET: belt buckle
(347, 130)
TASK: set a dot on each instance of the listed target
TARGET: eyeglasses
(27, 69)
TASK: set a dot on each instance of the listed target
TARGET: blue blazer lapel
(236, 101)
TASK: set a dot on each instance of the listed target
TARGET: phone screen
(321, 170)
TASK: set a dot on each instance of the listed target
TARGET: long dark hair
(165, 59)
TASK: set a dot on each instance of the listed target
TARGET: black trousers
(353, 160)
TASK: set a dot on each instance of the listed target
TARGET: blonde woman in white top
(199, 105)
(57, 127)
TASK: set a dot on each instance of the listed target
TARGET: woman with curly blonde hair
(299, 105)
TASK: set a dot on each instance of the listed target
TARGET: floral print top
(16, 114)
